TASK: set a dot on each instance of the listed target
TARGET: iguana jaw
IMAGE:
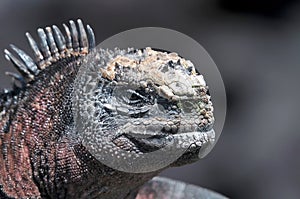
(198, 143)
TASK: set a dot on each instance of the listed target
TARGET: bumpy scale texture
(47, 150)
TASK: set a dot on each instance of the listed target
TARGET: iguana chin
(42, 154)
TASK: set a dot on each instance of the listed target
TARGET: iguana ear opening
(54, 46)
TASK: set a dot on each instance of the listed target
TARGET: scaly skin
(42, 153)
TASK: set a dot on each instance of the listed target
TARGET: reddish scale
(30, 147)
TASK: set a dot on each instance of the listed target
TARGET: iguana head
(128, 105)
(76, 107)
(133, 103)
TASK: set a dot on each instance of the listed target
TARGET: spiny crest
(54, 45)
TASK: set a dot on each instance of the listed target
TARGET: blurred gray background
(255, 44)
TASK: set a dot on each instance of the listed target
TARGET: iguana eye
(136, 97)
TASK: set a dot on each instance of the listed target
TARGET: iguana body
(39, 156)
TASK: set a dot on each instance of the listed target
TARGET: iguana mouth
(147, 143)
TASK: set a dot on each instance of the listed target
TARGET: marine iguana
(41, 155)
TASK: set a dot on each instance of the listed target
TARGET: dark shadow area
(267, 8)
